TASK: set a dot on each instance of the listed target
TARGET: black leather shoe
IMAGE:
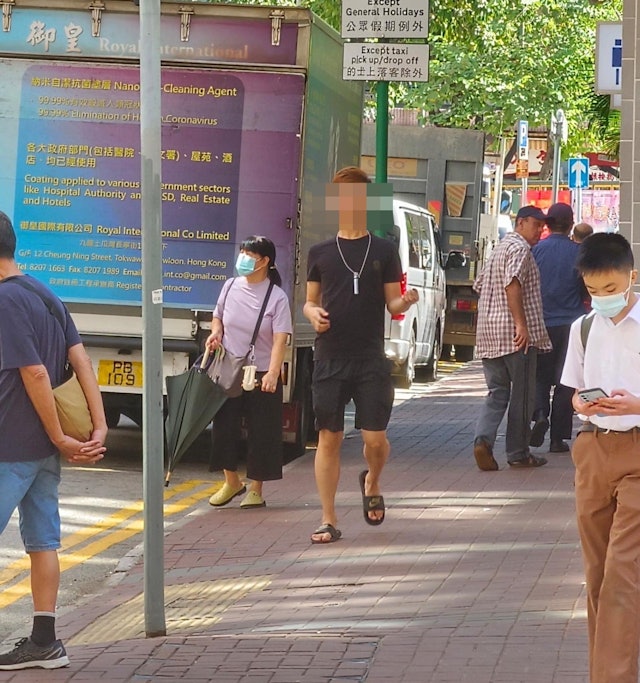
(483, 453)
(538, 431)
(530, 461)
(559, 447)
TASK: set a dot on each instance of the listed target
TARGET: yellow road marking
(68, 560)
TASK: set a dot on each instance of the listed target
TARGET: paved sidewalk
(474, 576)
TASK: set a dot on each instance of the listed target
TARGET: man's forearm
(38, 387)
(514, 301)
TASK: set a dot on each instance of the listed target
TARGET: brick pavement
(474, 576)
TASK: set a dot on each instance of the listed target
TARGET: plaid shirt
(510, 259)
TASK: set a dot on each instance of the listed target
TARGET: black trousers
(559, 411)
(263, 413)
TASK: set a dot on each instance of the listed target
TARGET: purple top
(238, 307)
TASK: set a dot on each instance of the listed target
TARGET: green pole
(382, 131)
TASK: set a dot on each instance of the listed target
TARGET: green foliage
(498, 61)
(493, 62)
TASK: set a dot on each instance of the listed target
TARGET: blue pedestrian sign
(578, 173)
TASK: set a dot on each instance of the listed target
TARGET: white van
(413, 340)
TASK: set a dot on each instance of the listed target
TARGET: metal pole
(556, 167)
(578, 211)
(152, 414)
(382, 131)
(499, 178)
(525, 188)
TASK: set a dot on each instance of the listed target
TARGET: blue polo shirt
(562, 289)
(29, 335)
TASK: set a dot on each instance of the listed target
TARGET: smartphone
(590, 395)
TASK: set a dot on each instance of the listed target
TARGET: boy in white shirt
(606, 454)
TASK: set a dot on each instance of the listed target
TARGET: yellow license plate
(120, 373)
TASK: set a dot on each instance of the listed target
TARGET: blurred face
(531, 229)
(349, 200)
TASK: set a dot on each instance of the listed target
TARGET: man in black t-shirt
(350, 279)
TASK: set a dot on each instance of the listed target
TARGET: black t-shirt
(357, 320)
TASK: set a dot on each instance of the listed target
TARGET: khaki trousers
(608, 510)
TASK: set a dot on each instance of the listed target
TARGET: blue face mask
(611, 304)
(245, 264)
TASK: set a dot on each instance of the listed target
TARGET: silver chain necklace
(356, 273)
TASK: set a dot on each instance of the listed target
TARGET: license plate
(120, 373)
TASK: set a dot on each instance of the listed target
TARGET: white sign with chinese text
(385, 62)
(385, 18)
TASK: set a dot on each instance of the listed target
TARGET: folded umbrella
(193, 399)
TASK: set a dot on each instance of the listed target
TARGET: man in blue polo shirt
(563, 296)
(33, 349)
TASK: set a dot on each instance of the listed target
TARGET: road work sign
(385, 62)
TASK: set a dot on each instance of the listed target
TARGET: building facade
(630, 128)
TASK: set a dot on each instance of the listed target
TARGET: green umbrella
(193, 399)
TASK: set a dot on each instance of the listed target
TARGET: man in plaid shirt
(509, 335)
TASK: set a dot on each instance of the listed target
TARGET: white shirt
(611, 361)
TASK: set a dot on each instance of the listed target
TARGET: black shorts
(366, 381)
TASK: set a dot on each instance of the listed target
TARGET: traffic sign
(522, 169)
(578, 173)
(385, 62)
(385, 18)
(609, 57)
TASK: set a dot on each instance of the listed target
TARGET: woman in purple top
(234, 320)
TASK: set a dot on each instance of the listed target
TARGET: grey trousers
(511, 381)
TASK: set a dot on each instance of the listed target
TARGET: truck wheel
(113, 417)
(302, 394)
(408, 369)
(431, 374)
(464, 353)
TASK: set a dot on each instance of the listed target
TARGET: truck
(256, 119)
(441, 170)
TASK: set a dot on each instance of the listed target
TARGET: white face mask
(610, 305)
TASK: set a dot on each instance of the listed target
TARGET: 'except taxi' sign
(385, 62)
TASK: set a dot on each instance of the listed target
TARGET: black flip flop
(334, 533)
(370, 503)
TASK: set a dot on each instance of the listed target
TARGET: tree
(493, 62)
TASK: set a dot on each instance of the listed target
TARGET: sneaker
(27, 655)
(483, 453)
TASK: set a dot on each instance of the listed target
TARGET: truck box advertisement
(71, 165)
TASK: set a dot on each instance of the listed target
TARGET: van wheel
(431, 374)
(408, 369)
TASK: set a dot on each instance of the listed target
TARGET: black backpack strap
(585, 328)
(46, 300)
(261, 315)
